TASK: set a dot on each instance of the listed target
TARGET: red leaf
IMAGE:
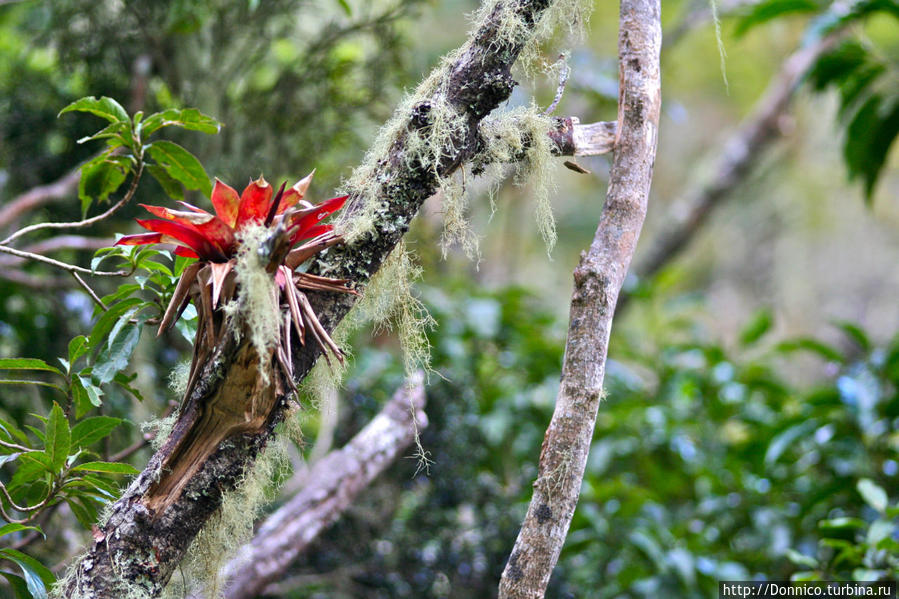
(226, 202)
(208, 225)
(254, 203)
(309, 233)
(306, 219)
(185, 235)
(293, 195)
(185, 252)
(140, 239)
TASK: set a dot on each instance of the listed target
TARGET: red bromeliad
(215, 239)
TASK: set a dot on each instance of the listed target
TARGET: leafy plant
(865, 77)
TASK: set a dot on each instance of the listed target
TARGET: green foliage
(708, 463)
(869, 106)
(864, 76)
(126, 148)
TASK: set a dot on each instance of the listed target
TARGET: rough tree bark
(597, 282)
(138, 548)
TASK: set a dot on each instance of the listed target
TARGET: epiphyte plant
(254, 231)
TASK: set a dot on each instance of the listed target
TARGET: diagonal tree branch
(145, 537)
(597, 282)
(38, 196)
(741, 152)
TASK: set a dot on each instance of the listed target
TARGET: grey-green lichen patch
(520, 138)
(568, 17)
(179, 377)
(257, 297)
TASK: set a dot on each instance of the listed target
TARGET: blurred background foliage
(745, 434)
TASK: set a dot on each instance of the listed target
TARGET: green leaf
(19, 587)
(782, 441)
(83, 510)
(85, 394)
(109, 318)
(762, 12)
(811, 345)
(10, 457)
(32, 466)
(868, 139)
(170, 186)
(119, 134)
(346, 7)
(123, 321)
(59, 437)
(119, 294)
(124, 381)
(880, 529)
(759, 325)
(106, 490)
(188, 118)
(101, 177)
(837, 66)
(11, 528)
(37, 576)
(117, 356)
(90, 430)
(181, 165)
(31, 382)
(873, 495)
(855, 333)
(103, 107)
(14, 434)
(78, 346)
(842, 523)
(26, 364)
(801, 560)
(106, 468)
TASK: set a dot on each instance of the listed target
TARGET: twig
(597, 282)
(90, 291)
(87, 221)
(62, 265)
(563, 79)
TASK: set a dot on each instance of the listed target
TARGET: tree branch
(332, 484)
(57, 244)
(740, 154)
(597, 282)
(38, 196)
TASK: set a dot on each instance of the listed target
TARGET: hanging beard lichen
(426, 146)
(257, 299)
(200, 573)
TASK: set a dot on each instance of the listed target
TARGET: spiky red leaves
(213, 237)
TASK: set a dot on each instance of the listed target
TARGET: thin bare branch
(90, 291)
(38, 196)
(87, 221)
(62, 265)
(597, 282)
